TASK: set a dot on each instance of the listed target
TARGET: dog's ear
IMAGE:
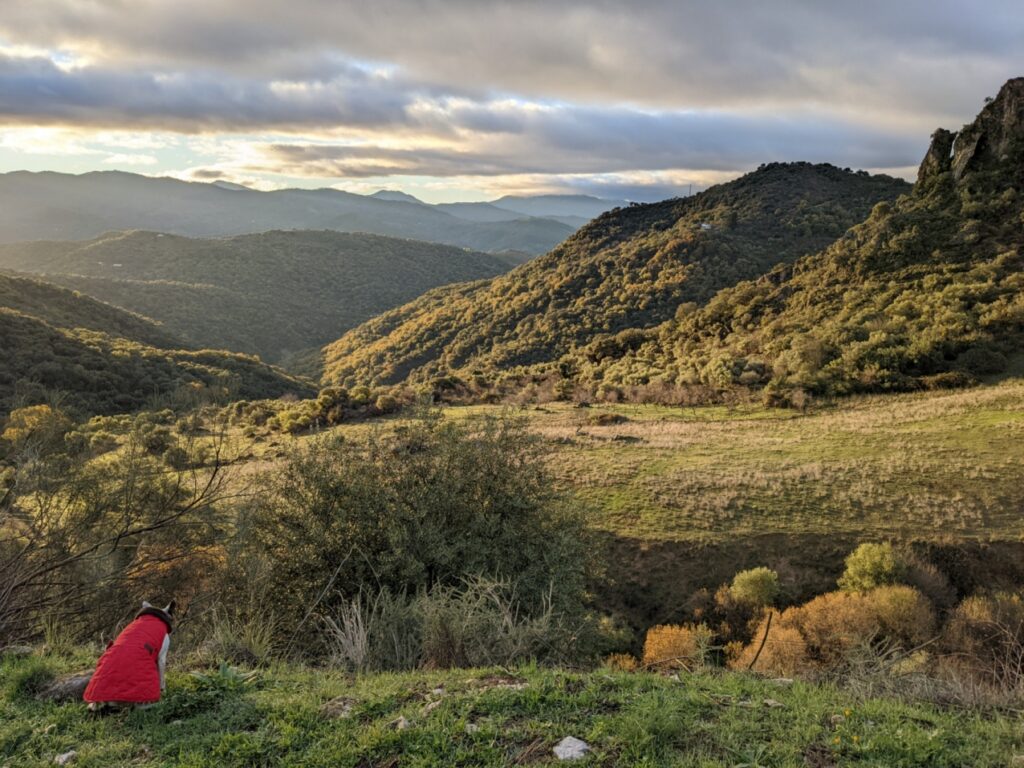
(146, 605)
(169, 610)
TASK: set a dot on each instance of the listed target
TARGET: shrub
(987, 635)
(784, 652)
(428, 506)
(386, 404)
(677, 646)
(903, 614)
(822, 633)
(872, 565)
(622, 662)
(479, 623)
(757, 587)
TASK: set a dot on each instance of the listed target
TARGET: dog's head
(168, 609)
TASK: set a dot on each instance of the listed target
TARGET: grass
(686, 497)
(876, 467)
(497, 718)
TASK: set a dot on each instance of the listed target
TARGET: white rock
(401, 724)
(472, 728)
(67, 758)
(571, 748)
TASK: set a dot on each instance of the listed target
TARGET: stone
(571, 748)
(67, 758)
(66, 688)
(472, 728)
(338, 708)
(401, 724)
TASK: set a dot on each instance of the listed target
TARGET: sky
(473, 99)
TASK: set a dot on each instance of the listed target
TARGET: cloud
(127, 159)
(634, 98)
(916, 60)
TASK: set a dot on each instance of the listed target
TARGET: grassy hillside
(56, 206)
(685, 497)
(630, 268)
(296, 716)
(271, 294)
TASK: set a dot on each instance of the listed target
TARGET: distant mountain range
(56, 206)
(274, 294)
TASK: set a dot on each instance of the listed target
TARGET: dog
(132, 670)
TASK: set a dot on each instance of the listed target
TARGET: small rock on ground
(571, 748)
(340, 707)
(66, 759)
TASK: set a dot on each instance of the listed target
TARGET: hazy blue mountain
(56, 206)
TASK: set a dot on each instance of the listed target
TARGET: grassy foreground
(289, 716)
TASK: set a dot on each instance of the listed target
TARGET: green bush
(756, 586)
(872, 565)
(427, 506)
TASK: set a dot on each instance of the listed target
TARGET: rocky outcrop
(993, 141)
(939, 157)
(995, 136)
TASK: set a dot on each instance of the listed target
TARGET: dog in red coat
(131, 670)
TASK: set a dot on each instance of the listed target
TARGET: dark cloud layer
(522, 87)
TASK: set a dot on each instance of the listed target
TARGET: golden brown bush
(822, 633)
(677, 646)
(986, 634)
(904, 615)
(622, 662)
(784, 652)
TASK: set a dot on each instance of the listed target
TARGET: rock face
(992, 141)
(995, 136)
(939, 157)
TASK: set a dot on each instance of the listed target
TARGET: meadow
(292, 716)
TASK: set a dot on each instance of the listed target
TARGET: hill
(104, 360)
(270, 294)
(62, 308)
(630, 268)
(290, 715)
(927, 292)
(55, 206)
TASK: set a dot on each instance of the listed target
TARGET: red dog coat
(128, 671)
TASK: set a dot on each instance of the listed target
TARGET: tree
(427, 506)
(758, 587)
(870, 566)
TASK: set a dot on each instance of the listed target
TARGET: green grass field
(496, 718)
(683, 498)
(945, 463)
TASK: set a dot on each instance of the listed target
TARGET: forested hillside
(629, 269)
(928, 291)
(100, 359)
(270, 294)
(63, 309)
